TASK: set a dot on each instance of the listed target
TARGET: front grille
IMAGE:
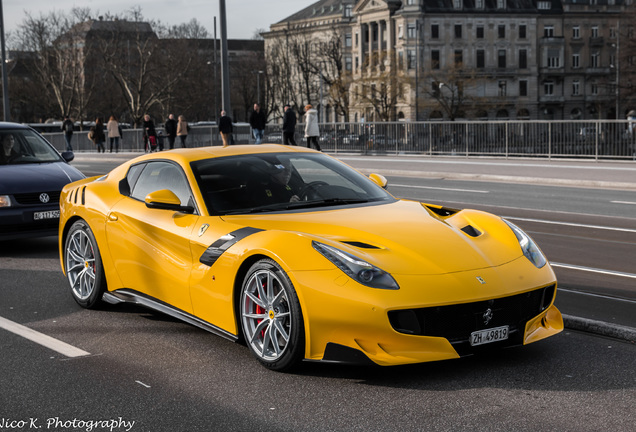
(457, 322)
(34, 198)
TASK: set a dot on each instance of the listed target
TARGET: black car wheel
(271, 318)
(83, 265)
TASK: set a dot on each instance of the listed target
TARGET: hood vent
(360, 245)
(471, 231)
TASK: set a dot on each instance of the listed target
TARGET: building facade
(452, 59)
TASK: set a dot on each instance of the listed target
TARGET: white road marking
(594, 270)
(606, 297)
(440, 188)
(42, 339)
(623, 202)
(629, 230)
(140, 383)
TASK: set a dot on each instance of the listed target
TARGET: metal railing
(612, 139)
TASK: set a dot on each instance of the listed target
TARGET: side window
(160, 175)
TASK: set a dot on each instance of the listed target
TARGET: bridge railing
(597, 139)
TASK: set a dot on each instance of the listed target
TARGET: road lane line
(594, 270)
(439, 188)
(629, 230)
(42, 339)
(623, 202)
(605, 297)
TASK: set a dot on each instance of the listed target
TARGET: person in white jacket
(311, 127)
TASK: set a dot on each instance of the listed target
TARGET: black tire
(83, 265)
(271, 317)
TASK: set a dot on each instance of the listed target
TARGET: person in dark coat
(96, 134)
(171, 130)
(257, 122)
(289, 126)
(225, 128)
(150, 134)
(67, 127)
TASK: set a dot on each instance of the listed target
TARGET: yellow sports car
(302, 257)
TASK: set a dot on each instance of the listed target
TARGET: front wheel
(83, 265)
(271, 318)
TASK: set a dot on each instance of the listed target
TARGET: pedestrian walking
(96, 134)
(182, 130)
(67, 127)
(114, 133)
(150, 134)
(225, 129)
(289, 126)
(258, 122)
(171, 130)
(312, 132)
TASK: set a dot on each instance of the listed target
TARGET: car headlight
(356, 268)
(5, 201)
(528, 246)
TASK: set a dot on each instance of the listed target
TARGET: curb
(600, 328)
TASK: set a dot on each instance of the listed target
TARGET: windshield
(23, 146)
(281, 181)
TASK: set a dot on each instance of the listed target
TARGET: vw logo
(487, 316)
(44, 197)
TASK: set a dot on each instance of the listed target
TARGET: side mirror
(166, 200)
(68, 156)
(380, 180)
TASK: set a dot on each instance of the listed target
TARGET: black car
(32, 174)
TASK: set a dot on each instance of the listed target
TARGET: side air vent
(360, 245)
(471, 231)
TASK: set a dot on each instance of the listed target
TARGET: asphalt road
(164, 375)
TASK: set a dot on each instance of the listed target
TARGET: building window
(479, 4)
(411, 31)
(502, 88)
(594, 89)
(348, 11)
(576, 86)
(457, 4)
(544, 5)
(481, 58)
(401, 60)
(523, 88)
(480, 32)
(501, 58)
(348, 63)
(548, 31)
(594, 31)
(501, 31)
(435, 59)
(348, 40)
(594, 60)
(554, 58)
(576, 61)
(522, 31)
(434, 31)
(459, 57)
(501, 4)
(458, 31)
(523, 59)
(411, 60)
(548, 88)
(613, 32)
(400, 31)
(576, 32)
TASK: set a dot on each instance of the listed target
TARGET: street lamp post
(258, 86)
(5, 81)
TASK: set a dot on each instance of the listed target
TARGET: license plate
(53, 214)
(482, 337)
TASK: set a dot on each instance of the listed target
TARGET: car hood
(27, 178)
(404, 236)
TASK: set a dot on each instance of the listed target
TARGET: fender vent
(471, 231)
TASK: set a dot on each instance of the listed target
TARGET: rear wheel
(271, 318)
(83, 265)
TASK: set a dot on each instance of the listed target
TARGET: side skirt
(132, 296)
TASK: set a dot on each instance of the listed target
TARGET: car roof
(10, 125)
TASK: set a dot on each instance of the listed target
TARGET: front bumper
(345, 315)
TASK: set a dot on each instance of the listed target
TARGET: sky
(244, 17)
